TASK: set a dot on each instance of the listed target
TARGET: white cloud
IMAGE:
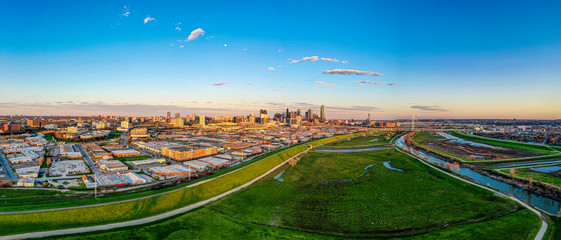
(351, 72)
(181, 46)
(195, 34)
(329, 59)
(312, 58)
(271, 68)
(220, 83)
(126, 11)
(280, 50)
(370, 82)
(319, 82)
(316, 58)
(178, 29)
(148, 19)
(433, 108)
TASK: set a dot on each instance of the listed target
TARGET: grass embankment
(134, 158)
(378, 139)
(423, 139)
(312, 198)
(536, 176)
(10, 197)
(540, 149)
(118, 212)
(384, 203)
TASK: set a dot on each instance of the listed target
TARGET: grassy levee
(516, 145)
(412, 204)
(361, 141)
(206, 224)
(314, 197)
(118, 212)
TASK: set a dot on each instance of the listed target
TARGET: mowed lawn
(384, 203)
(377, 139)
(534, 175)
(539, 149)
(313, 202)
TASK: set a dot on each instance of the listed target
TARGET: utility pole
(95, 180)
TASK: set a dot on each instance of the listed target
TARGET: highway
(7, 168)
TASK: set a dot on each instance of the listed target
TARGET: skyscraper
(177, 115)
(169, 115)
(368, 120)
(202, 120)
(310, 117)
(322, 114)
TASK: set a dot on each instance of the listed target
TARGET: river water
(544, 203)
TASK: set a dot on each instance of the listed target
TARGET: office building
(322, 114)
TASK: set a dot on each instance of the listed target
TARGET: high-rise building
(202, 120)
(368, 120)
(169, 115)
(125, 124)
(177, 115)
(310, 116)
(299, 112)
(187, 118)
(322, 114)
(178, 122)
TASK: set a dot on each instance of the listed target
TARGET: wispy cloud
(126, 11)
(312, 59)
(195, 34)
(351, 72)
(252, 84)
(220, 83)
(271, 68)
(433, 108)
(148, 19)
(319, 82)
(370, 82)
(316, 58)
(178, 29)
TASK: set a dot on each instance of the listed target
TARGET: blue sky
(472, 59)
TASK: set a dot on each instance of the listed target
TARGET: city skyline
(436, 60)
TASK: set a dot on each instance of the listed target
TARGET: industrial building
(189, 152)
(171, 170)
(112, 165)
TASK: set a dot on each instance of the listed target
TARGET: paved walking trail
(143, 220)
(543, 228)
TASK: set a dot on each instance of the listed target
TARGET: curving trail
(148, 219)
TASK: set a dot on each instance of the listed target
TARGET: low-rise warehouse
(171, 170)
(147, 162)
(112, 165)
(189, 152)
(215, 162)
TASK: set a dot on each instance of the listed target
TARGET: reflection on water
(544, 203)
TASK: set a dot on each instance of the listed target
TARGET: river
(544, 203)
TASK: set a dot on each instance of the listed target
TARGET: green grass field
(536, 176)
(539, 149)
(514, 151)
(39, 221)
(361, 141)
(313, 203)
(377, 205)
(16, 197)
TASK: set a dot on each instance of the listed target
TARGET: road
(144, 220)
(7, 168)
(88, 159)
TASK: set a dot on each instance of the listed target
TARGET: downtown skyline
(436, 60)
